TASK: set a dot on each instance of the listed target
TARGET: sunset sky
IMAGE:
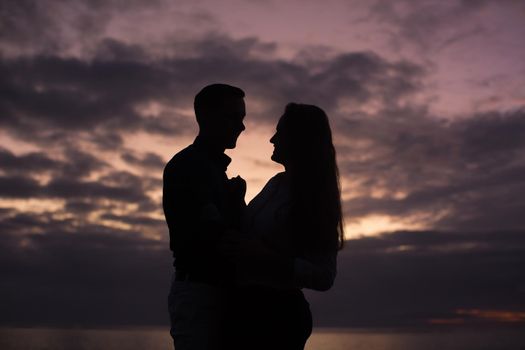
(427, 105)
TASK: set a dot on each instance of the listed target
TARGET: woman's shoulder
(270, 189)
(278, 182)
(277, 178)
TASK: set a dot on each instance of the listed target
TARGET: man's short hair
(212, 97)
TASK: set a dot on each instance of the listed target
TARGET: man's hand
(237, 188)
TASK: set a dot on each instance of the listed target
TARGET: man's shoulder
(182, 156)
(185, 161)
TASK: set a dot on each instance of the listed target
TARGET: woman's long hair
(316, 196)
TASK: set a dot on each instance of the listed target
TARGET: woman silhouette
(293, 231)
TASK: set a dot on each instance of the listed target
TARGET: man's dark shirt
(198, 209)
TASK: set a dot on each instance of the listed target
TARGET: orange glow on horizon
(494, 315)
(446, 321)
(374, 225)
(466, 316)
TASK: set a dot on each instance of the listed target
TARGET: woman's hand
(256, 263)
(236, 247)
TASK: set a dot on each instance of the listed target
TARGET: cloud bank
(83, 240)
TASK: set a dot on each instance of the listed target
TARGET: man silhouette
(201, 205)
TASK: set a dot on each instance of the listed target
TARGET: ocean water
(326, 339)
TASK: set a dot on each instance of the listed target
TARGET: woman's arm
(316, 272)
(260, 265)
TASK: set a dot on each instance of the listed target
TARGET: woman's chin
(276, 158)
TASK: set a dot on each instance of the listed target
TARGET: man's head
(220, 112)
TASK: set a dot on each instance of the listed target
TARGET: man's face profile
(230, 121)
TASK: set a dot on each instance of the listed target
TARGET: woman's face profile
(280, 150)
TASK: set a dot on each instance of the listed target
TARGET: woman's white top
(265, 219)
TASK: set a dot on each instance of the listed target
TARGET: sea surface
(323, 339)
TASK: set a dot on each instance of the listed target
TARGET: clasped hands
(237, 188)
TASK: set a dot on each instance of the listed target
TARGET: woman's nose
(272, 140)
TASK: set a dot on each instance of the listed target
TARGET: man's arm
(194, 221)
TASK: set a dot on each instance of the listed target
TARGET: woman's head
(303, 144)
(303, 138)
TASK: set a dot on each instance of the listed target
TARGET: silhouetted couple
(239, 269)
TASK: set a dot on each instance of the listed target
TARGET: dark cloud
(31, 27)
(84, 194)
(148, 160)
(30, 162)
(431, 26)
(409, 278)
(75, 164)
(426, 24)
(362, 77)
(125, 178)
(110, 49)
(87, 213)
(96, 276)
(69, 94)
(81, 164)
(215, 45)
(52, 98)
(82, 181)
(22, 223)
(65, 267)
(107, 140)
(25, 20)
(80, 206)
(102, 276)
(17, 224)
(452, 174)
(65, 188)
(136, 220)
(18, 187)
(465, 174)
(492, 138)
